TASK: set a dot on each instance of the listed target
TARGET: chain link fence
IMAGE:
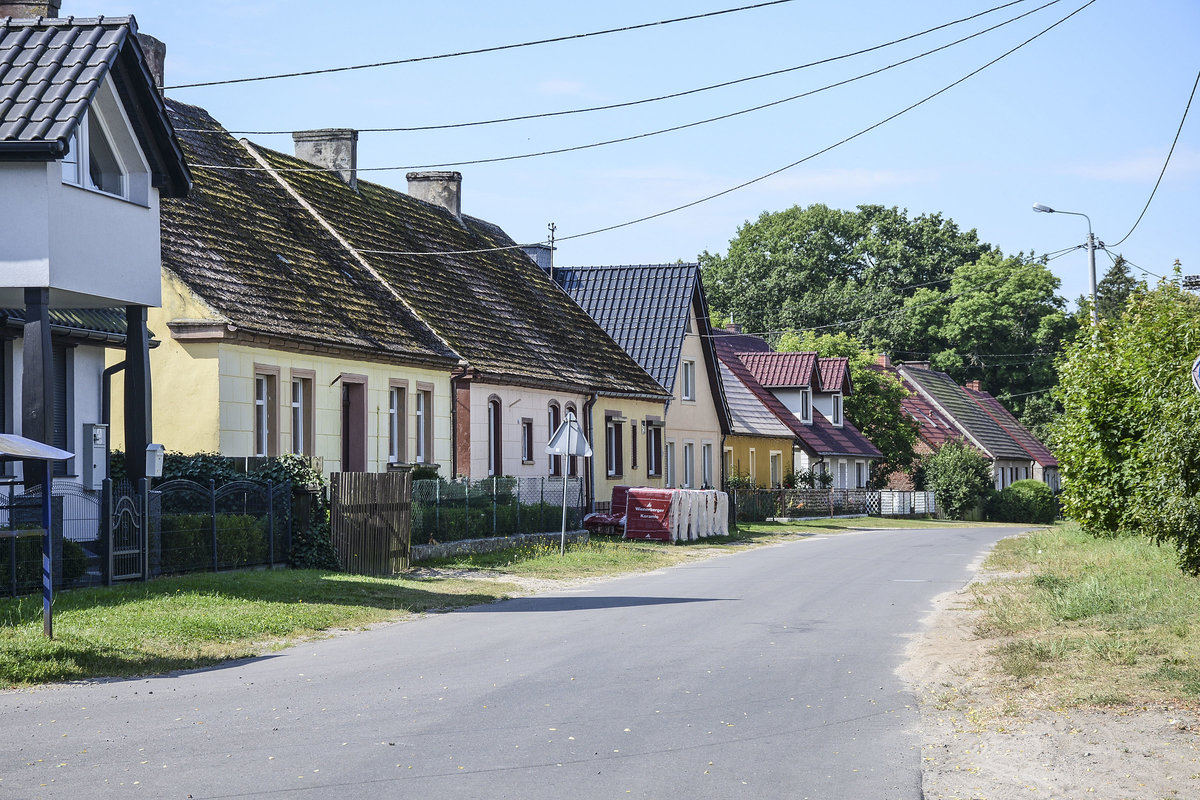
(447, 511)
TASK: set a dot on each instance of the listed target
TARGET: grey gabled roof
(644, 308)
(750, 416)
(50, 70)
(953, 400)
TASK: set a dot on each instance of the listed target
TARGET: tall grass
(1091, 620)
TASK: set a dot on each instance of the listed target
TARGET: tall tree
(812, 266)
(873, 406)
(1129, 436)
(1000, 321)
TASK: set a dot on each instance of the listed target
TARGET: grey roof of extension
(750, 416)
(50, 70)
(966, 413)
(644, 308)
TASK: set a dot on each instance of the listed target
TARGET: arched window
(554, 418)
(495, 436)
(573, 461)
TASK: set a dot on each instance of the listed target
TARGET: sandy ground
(982, 743)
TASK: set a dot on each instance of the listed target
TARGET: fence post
(437, 507)
(467, 509)
(144, 502)
(270, 526)
(106, 528)
(517, 498)
(493, 505)
(212, 509)
(542, 508)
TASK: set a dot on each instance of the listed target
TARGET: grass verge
(1086, 621)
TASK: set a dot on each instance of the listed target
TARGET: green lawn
(1089, 621)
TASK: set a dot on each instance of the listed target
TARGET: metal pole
(1091, 248)
(562, 549)
(212, 509)
(270, 526)
(47, 552)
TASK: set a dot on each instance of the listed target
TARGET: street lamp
(1091, 248)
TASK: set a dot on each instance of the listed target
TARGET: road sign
(1196, 373)
(568, 439)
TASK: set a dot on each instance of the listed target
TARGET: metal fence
(191, 527)
(756, 505)
(444, 511)
(76, 537)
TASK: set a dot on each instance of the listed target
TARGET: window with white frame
(689, 466)
(553, 420)
(727, 462)
(572, 461)
(397, 432)
(806, 405)
(841, 484)
(302, 413)
(424, 425)
(669, 453)
(654, 450)
(706, 465)
(266, 416)
(614, 438)
(103, 154)
(860, 475)
(526, 440)
(495, 433)
(837, 409)
(753, 467)
(687, 390)
(776, 469)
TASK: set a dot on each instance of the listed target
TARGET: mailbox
(94, 455)
(154, 460)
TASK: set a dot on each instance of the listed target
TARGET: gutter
(106, 392)
(43, 150)
(591, 470)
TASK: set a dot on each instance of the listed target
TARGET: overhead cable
(629, 103)
(480, 50)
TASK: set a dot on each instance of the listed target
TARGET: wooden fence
(370, 521)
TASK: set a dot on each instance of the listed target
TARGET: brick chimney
(30, 8)
(155, 51)
(884, 360)
(334, 149)
(974, 386)
(733, 327)
(440, 188)
(918, 364)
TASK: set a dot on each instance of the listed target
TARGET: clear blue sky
(1081, 119)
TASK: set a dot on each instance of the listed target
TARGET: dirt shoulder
(981, 741)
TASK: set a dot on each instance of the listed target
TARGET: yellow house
(307, 311)
(658, 314)
(760, 447)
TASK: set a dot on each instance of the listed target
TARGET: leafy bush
(312, 548)
(959, 476)
(1024, 501)
(187, 541)
(29, 564)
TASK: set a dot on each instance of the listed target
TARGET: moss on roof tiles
(496, 309)
(246, 247)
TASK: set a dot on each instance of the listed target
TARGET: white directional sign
(1196, 373)
(568, 439)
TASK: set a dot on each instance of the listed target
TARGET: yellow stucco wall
(751, 456)
(695, 421)
(635, 412)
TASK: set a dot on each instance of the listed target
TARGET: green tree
(959, 476)
(805, 267)
(1000, 321)
(873, 406)
(1128, 440)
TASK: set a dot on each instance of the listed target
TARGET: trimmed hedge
(187, 542)
(1024, 501)
(29, 563)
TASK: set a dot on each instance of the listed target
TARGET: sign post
(568, 440)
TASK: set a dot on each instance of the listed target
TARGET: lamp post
(1091, 250)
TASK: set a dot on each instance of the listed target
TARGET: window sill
(103, 193)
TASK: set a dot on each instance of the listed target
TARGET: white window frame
(806, 405)
(753, 467)
(687, 389)
(526, 440)
(689, 465)
(265, 441)
(301, 407)
(837, 410)
(706, 465)
(423, 411)
(776, 457)
(669, 464)
(397, 416)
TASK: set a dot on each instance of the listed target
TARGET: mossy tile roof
(469, 282)
(249, 250)
(941, 389)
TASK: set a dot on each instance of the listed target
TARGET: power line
(1165, 163)
(493, 49)
(629, 103)
(824, 150)
(672, 129)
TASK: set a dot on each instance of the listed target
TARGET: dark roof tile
(968, 416)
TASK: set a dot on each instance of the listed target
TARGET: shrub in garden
(1024, 501)
(187, 541)
(29, 563)
(312, 548)
(959, 476)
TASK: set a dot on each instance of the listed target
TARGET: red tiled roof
(835, 374)
(1004, 418)
(821, 437)
(781, 369)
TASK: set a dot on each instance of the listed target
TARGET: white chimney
(334, 149)
(440, 188)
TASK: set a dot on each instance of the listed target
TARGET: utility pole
(552, 228)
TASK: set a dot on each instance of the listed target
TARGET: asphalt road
(763, 674)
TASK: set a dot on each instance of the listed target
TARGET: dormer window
(92, 163)
(103, 155)
(806, 405)
(837, 409)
